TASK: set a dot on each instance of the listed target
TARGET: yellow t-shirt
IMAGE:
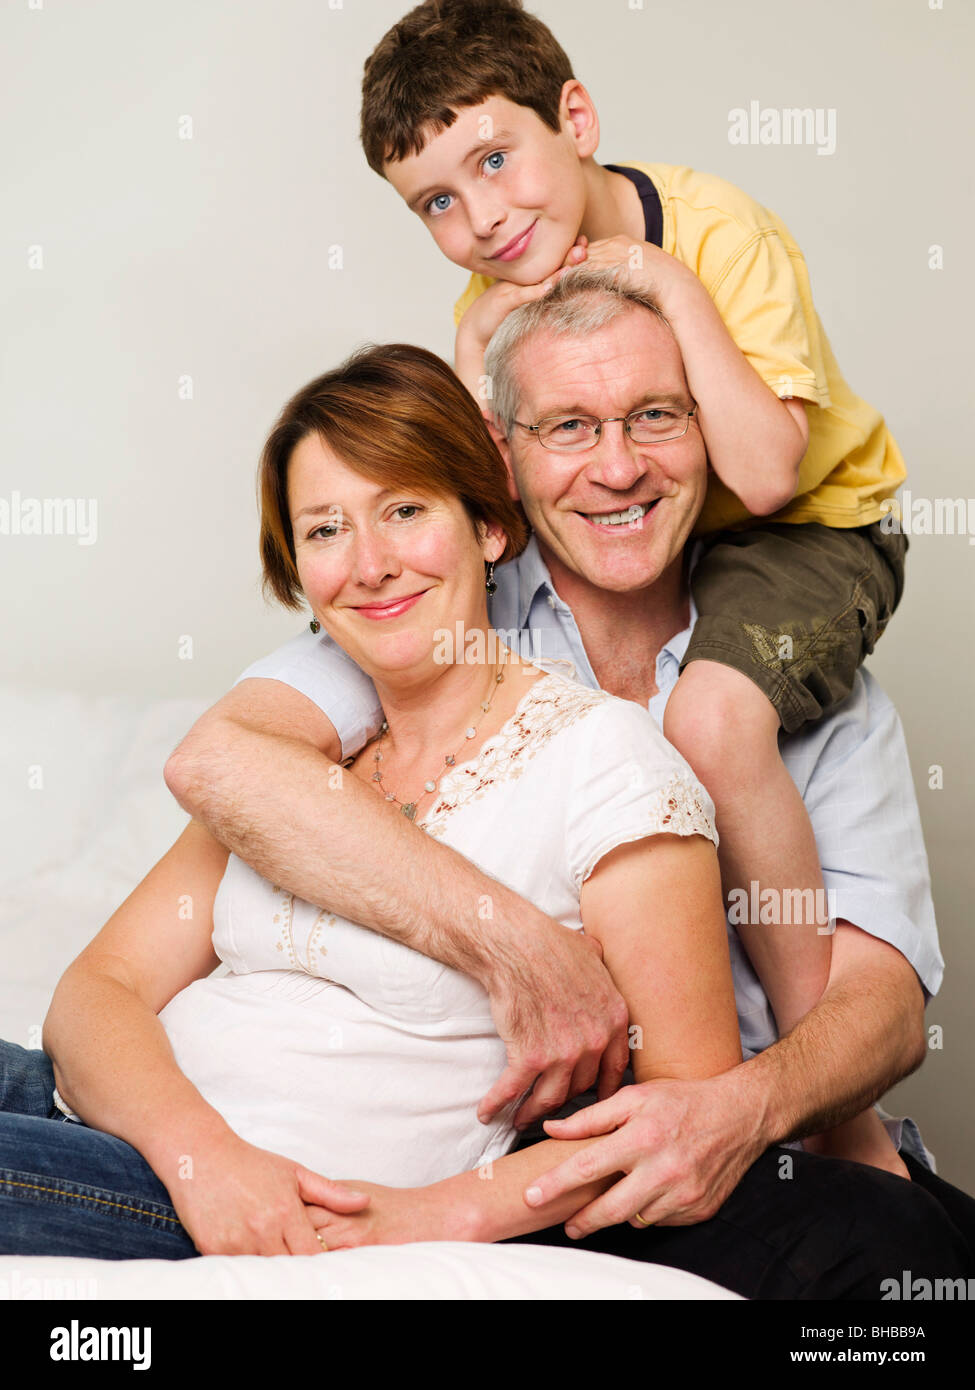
(757, 277)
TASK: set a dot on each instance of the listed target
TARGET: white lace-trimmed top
(358, 1056)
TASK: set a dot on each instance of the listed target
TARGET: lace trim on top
(551, 704)
(677, 808)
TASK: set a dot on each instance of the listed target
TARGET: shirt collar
(533, 575)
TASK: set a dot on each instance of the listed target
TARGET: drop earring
(315, 625)
(491, 584)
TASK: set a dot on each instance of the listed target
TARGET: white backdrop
(191, 232)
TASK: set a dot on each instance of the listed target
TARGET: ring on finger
(318, 1237)
(639, 1218)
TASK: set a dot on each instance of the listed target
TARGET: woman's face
(385, 568)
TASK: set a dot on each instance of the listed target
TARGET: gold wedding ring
(638, 1217)
(320, 1241)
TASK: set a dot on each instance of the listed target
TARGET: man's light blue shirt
(851, 769)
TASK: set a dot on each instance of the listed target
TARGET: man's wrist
(751, 1092)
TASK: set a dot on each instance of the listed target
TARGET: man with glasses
(603, 586)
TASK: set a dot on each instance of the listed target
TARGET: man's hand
(242, 1200)
(682, 1145)
(562, 1020)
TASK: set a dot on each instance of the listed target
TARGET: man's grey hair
(581, 302)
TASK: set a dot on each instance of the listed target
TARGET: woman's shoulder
(597, 711)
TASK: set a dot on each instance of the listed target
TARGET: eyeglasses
(570, 434)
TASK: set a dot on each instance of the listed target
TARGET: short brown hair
(394, 414)
(448, 54)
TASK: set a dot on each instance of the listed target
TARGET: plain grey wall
(186, 199)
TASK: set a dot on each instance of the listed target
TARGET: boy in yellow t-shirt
(472, 113)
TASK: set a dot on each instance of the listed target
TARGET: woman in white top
(329, 1049)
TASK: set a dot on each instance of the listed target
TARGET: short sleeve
(854, 775)
(627, 783)
(319, 668)
(476, 286)
(764, 297)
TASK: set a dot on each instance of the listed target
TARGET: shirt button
(551, 600)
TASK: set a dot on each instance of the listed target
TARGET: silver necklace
(408, 808)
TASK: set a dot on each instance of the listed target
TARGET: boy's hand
(641, 264)
(488, 312)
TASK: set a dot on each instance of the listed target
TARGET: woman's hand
(236, 1199)
(394, 1216)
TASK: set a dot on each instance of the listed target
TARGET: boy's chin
(532, 272)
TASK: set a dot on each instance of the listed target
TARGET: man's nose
(616, 461)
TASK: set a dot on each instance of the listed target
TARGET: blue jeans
(66, 1189)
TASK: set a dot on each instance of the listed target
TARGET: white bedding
(440, 1270)
(84, 814)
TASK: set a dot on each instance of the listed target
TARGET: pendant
(409, 811)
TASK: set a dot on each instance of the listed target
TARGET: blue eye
(440, 203)
(497, 155)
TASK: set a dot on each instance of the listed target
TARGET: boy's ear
(577, 112)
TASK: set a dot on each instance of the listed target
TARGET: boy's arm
(260, 771)
(485, 314)
(755, 441)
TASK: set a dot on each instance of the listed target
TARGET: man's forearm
(864, 1035)
(302, 822)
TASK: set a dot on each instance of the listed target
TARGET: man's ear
(504, 449)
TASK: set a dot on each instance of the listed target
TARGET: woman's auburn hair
(399, 416)
(448, 54)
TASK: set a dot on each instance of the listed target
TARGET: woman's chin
(394, 657)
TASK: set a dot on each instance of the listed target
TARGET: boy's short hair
(580, 303)
(448, 54)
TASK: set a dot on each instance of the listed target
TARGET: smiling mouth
(516, 247)
(629, 519)
(390, 606)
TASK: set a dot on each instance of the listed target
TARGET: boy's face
(501, 193)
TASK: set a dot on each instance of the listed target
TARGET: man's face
(631, 363)
(501, 193)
